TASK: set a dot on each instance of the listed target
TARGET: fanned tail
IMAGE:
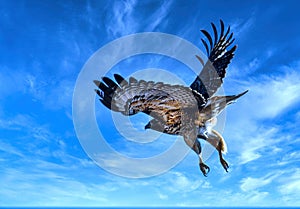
(217, 104)
(230, 99)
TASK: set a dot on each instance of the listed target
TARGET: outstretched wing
(162, 101)
(213, 72)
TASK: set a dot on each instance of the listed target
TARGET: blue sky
(45, 44)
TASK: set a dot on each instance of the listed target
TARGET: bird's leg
(203, 167)
(221, 146)
(191, 140)
(223, 162)
(216, 140)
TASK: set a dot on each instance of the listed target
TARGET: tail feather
(217, 104)
(230, 99)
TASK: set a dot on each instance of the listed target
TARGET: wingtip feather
(208, 37)
(97, 83)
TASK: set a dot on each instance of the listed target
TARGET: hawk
(176, 109)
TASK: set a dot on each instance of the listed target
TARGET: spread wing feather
(214, 70)
(161, 101)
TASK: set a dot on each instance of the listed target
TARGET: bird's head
(155, 125)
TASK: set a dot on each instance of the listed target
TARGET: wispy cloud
(162, 196)
(52, 189)
(48, 181)
(238, 70)
(240, 26)
(26, 125)
(255, 145)
(11, 82)
(158, 18)
(53, 94)
(290, 158)
(124, 18)
(251, 184)
(269, 97)
(9, 149)
(183, 184)
(120, 21)
(290, 187)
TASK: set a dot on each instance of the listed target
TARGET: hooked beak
(148, 126)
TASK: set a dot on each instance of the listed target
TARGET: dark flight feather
(214, 70)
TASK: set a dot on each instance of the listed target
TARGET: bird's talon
(224, 164)
(204, 169)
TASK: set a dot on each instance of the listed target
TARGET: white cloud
(206, 185)
(11, 82)
(159, 16)
(180, 183)
(292, 187)
(289, 187)
(123, 21)
(290, 158)
(133, 167)
(8, 149)
(27, 125)
(251, 149)
(240, 27)
(254, 64)
(52, 94)
(252, 184)
(269, 96)
(162, 196)
(16, 123)
(291, 183)
(57, 190)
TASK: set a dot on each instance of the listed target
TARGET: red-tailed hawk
(179, 110)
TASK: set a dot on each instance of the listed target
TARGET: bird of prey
(176, 109)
